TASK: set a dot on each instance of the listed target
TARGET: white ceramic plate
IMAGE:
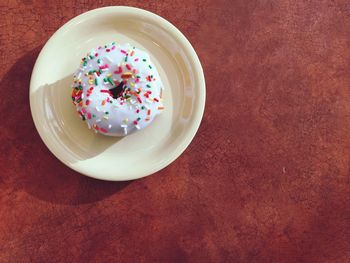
(139, 154)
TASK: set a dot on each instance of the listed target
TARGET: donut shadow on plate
(27, 166)
(63, 124)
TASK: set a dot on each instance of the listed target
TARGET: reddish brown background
(266, 179)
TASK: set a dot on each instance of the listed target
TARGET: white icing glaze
(140, 100)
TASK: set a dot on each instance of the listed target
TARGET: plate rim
(188, 49)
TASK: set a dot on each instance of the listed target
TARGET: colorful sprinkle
(127, 75)
(105, 91)
(110, 81)
(120, 70)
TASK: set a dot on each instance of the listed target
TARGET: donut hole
(117, 91)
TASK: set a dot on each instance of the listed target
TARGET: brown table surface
(266, 178)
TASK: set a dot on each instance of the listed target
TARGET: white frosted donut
(117, 90)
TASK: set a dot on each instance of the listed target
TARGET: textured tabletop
(266, 179)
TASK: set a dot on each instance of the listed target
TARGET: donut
(117, 90)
